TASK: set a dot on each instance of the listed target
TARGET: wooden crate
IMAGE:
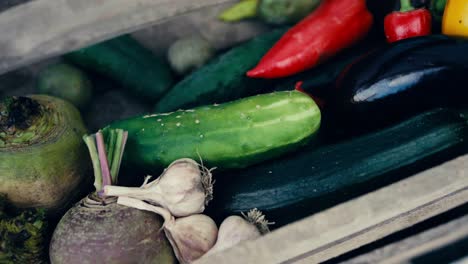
(42, 29)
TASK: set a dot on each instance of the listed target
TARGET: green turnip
(43, 161)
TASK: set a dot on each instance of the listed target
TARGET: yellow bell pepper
(455, 20)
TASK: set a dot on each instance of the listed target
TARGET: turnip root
(43, 162)
(104, 232)
(98, 230)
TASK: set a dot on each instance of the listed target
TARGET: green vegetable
(22, 235)
(298, 185)
(243, 10)
(437, 8)
(285, 11)
(43, 162)
(189, 53)
(231, 135)
(124, 60)
(223, 79)
(66, 82)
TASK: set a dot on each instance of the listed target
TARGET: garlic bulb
(184, 188)
(236, 229)
(191, 237)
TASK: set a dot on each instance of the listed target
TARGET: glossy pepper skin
(333, 26)
(407, 23)
(401, 79)
(455, 19)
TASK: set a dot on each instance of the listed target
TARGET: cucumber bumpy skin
(231, 135)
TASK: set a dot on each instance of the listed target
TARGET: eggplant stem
(257, 218)
(90, 143)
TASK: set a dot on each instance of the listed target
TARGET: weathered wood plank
(360, 221)
(45, 28)
(414, 246)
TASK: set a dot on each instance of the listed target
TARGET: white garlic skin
(181, 189)
(232, 231)
(191, 237)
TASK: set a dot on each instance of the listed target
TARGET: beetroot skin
(92, 232)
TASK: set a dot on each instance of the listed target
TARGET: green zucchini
(223, 79)
(126, 61)
(230, 135)
(298, 185)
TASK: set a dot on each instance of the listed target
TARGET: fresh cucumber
(124, 60)
(230, 135)
(223, 79)
(298, 185)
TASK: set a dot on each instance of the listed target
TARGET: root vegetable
(97, 229)
(43, 162)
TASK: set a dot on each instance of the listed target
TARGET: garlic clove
(192, 236)
(235, 229)
(232, 231)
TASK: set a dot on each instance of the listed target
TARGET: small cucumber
(223, 79)
(231, 135)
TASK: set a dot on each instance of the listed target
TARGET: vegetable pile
(339, 98)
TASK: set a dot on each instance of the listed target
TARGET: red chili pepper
(407, 23)
(333, 26)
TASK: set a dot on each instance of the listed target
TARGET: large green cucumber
(230, 135)
(223, 79)
(124, 60)
(298, 185)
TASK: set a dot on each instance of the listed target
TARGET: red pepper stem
(406, 6)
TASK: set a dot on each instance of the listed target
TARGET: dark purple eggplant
(400, 80)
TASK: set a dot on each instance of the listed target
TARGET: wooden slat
(417, 245)
(360, 221)
(45, 28)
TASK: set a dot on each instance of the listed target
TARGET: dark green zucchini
(127, 62)
(296, 186)
(223, 79)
